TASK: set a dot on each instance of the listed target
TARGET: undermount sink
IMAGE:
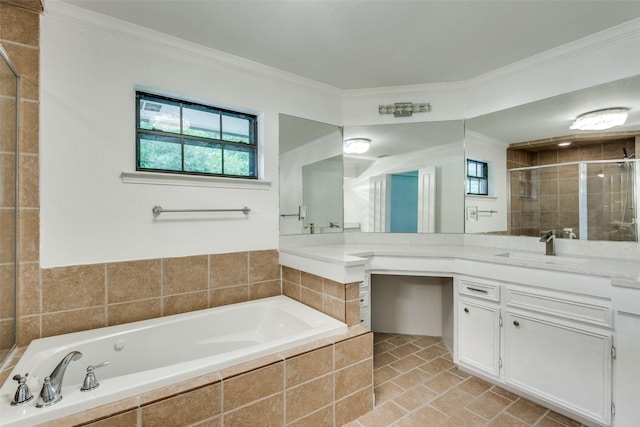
(546, 259)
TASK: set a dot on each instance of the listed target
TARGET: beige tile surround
(325, 383)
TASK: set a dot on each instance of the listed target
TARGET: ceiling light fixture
(601, 119)
(404, 109)
(356, 145)
(564, 144)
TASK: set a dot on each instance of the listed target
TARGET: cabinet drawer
(585, 308)
(479, 288)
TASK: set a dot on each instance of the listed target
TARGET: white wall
(89, 67)
(480, 147)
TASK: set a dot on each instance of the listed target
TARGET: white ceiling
(353, 44)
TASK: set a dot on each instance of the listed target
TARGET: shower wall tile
(29, 130)
(29, 289)
(19, 25)
(7, 180)
(229, 269)
(29, 235)
(7, 118)
(29, 329)
(591, 152)
(64, 322)
(67, 288)
(133, 280)
(311, 282)
(569, 155)
(7, 237)
(27, 63)
(228, 295)
(291, 275)
(176, 304)
(29, 185)
(185, 274)
(547, 157)
(270, 288)
(7, 292)
(133, 311)
(264, 265)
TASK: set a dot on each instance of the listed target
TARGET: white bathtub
(154, 353)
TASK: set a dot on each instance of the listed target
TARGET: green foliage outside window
(181, 137)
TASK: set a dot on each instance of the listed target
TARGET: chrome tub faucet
(549, 238)
(52, 388)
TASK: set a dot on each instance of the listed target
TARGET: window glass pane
(471, 168)
(239, 161)
(159, 114)
(202, 122)
(203, 157)
(159, 152)
(236, 129)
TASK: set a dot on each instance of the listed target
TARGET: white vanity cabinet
(478, 320)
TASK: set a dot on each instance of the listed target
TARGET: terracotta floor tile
(408, 363)
(506, 420)
(415, 397)
(489, 405)
(384, 374)
(380, 360)
(442, 382)
(404, 350)
(423, 417)
(464, 418)
(387, 391)
(411, 378)
(474, 386)
(452, 401)
(527, 411)
(382, 415)
(562, 419)
(425, 342)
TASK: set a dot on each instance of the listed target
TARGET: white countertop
(621, 272)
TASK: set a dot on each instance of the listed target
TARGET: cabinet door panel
(568, 366)
(479, 336)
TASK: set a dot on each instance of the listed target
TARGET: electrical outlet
(472, 213)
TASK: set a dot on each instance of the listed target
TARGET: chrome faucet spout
(52, 388)
(549, 238)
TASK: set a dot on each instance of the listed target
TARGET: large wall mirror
(8, 202)
(311, 173)
(544, 175)
(410, 179)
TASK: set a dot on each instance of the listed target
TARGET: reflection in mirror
(8, 202)
(581, 183)
(410, 179)
(310, 177)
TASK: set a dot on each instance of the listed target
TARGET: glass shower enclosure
(588, 200)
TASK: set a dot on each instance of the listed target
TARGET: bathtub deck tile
(184, 409)
(101, 414)
(243, 368)
(305, 348)
(181, 387)
(129, 418)
(307, 398)
(354, 350)
(269, 411)
(307, 366)
(321, 418)
(258, 384)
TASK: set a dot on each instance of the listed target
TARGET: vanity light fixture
(601, 119)
(356, 145)
(404, 109)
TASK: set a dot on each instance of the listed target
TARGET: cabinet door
(479, 336)
(566, 365)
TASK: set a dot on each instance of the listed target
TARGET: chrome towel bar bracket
(157, 210)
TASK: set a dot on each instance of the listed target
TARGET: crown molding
(68, 13)
(585, 45)
(407, 89)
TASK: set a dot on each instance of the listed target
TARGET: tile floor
(417, 385)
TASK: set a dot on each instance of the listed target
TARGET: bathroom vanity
(563, 331)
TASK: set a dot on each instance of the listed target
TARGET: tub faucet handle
(23, 394)
(90, 380)
(48, 395)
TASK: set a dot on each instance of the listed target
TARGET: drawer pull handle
(516, 323)
(466, 310)
(482, 291)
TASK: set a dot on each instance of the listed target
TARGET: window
(477, 177)
(183, 137)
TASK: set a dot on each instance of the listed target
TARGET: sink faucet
(549, 238)
(52, 388)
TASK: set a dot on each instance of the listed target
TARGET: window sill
(155, 178)
(480, 197)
